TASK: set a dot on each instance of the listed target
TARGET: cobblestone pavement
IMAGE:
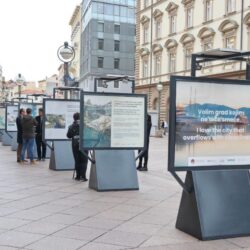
(45, 209)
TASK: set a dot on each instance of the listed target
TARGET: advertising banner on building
(113, 121)
(10, 118)
(210, 124)
(58, 117)
(2, 118)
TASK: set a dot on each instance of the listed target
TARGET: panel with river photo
(212, 124)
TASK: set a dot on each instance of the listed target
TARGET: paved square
(45, 209)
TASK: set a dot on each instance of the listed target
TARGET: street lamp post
(19, 80)
(66, 54)
(159, 87)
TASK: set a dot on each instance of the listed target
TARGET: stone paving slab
(42, 209)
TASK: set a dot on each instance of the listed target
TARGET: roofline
(77, 9)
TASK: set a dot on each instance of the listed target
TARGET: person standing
(28, 125)
(19, 134)
(81, 161)
(144, 156)
(40, 145)
(165, 127)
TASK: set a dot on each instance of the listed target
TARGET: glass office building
(107, 40)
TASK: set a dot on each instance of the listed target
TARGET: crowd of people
(29, 131)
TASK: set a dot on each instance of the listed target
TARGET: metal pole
(159, 110)
(193, 65)
(19, 92)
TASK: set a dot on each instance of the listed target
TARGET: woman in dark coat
(19, 134)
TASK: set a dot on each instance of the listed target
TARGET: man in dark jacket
(19, 134)
(28, 125)
(40, 145)
(145, 154)
(81, 161)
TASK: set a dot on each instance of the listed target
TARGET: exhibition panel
(10, 117)
(210, 124)
(113, 121)
(58, 117)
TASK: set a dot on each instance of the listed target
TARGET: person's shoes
(33, 162)
(139, 167)
(144, 169)
(25, 160)
(38, 159)
(43, 159)
(84, 179)
(18, 161)
(77, 178)
(22, 162)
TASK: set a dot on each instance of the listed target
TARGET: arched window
(145, 27)
(187, 41)
(158, 22)
(206, 36)
(228, 28)
(247, 23)
(172, 13)
(189, 12)
(157, 50)
(171, 46)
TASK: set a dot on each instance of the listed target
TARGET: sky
(31, 31)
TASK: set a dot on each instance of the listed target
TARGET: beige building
(168, 32)
(75, 23)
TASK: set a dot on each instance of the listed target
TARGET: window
(208, 10)
(173, 23)
(100, 44)
(100, 27)
(100, 62)
(116, 84)
(189, 17)
(116, 10)
(230, 42)
(117, 28)
(145, 34)
(108, 9)
(172, 61)
(158, 28)
(157, 64)
(145, 68)
(116, 63)
(117, 45)
(188, 54)
(100, 8)
(230, 6)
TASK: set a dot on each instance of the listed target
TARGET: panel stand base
(218, 206)
(6, 139)
(62, 157)
(114, 170)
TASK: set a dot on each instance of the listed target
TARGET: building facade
(107, 40)
(168, 32)
(75, 23)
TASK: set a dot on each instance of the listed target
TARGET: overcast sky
(31, 33)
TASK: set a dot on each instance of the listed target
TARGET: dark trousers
(81, 161)
(41, 147)
(19, 151)
(144, 156)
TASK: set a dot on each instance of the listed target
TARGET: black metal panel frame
(44, 109)
(8, 105)
(172, 125)
(82, 148)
